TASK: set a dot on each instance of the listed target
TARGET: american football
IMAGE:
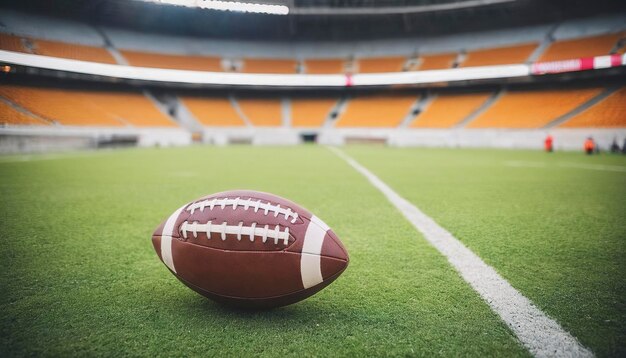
(250, 249)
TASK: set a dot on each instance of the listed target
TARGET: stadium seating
(11, 116)
(532, 109)
(608, 113)
(133, 109)
(179, 62)
(81, 108)
(447, 110)
(381, 64)
(213, 112)
(326, 66)
(56, 49)
(435, 62)
(499, 56)
(311, 112)
(581, 47)
(73, 51)
(269, 66)
(262, 112)
(379, 111)
(11, 43)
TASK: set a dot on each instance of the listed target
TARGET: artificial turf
(81, 276)
(554, 225)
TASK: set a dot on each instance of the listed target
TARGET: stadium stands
(580, 47)
(326, 66)
(11, 116)
(179, 62)
(65, 107)
(608, 113)
(262, 112)
(379, 111)
(11, 43)
(134, 109)
(447, 110)
(532, 109)
(435, 62)
(269, 66)
(73, 51)
(213, 112)
(499, 56)
(81, 108)
(311, 112)
(381, 64)
(55, 49)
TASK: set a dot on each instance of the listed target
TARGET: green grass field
(81, 276)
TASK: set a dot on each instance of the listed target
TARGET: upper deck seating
(499, 56)
(178, 62)
(381, 64)
(582, 47)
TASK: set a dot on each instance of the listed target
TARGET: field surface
(81, 276)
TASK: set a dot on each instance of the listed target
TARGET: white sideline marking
(540, 334)
(530, 164)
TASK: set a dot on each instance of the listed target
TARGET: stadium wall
(33, 140)
(36, 140)
(565, 139)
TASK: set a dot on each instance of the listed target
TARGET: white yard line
(531, 164)
(540, 334)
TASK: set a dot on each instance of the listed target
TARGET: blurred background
(445, 73)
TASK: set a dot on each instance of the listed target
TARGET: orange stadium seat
(131, 108)
(262, 112)
(269, 66)
(73, 51)
(608, 113)
(11, 43)
(499, 56)
(577, 48)
(446, 110)
(64, 106)
(381, 111)
(178, 62)
(326, 66)
(435, 62)
(213, 112)
(381, 64)
(532, 109)
(81, 108)
(10, 115)
(311, 112)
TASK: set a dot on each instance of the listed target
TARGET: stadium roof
(321, 19)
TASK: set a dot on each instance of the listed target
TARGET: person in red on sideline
(547, 143)
(589, 146)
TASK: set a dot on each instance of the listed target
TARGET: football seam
(250, 203)
(254, 251)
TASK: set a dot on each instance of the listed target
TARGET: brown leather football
(250, 249)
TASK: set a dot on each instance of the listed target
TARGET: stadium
(467, 154)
